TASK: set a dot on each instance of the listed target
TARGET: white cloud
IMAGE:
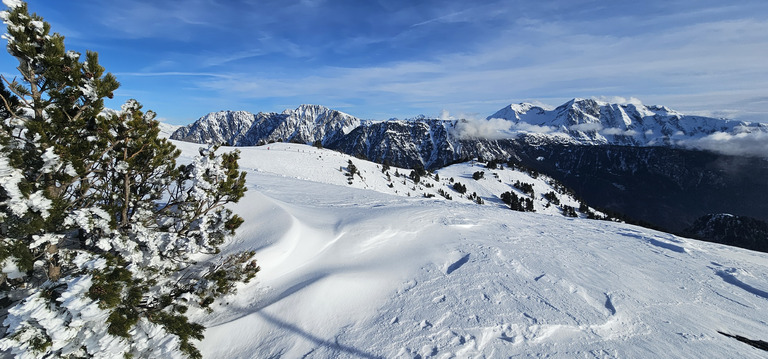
(740, 144)
(492, 129)
(618, 131)
(445, 115)
(552, 58)
(619, 100)
(529, 128)
(595, 64)
(146, 19)
(587, 127)
(612, 131)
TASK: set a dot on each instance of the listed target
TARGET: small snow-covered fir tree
(101, 232)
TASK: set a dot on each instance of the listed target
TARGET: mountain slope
(669, 188)
(352, 272)
(739, 231)
(545, 194)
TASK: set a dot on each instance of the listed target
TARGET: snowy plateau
(365, 270)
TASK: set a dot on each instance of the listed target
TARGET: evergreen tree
(420, 170)
(526, 188)
(415, 177)
(552, 197)
(516, 203)
(351, 169)
(99, 223)
(569, 211)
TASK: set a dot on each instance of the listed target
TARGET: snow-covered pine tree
(102, 234)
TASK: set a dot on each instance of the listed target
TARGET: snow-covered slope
(587, 121)
(166, 130)
(330, 167)
(354, 272)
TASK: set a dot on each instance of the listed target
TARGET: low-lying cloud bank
(496, 129)
(744, 141)
(491, 129)
(754, 144)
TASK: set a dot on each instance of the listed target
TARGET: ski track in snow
(354, 273)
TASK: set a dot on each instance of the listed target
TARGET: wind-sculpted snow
(352, 271)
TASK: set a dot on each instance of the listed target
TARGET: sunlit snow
(357, 271)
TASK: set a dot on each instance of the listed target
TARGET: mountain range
(434, 143)
(586, 121)
(645, 162)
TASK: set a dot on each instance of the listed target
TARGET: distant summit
(592, 122)
(305, 124)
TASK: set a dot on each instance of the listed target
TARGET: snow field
(353, 272)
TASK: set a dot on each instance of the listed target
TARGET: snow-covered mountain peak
(590, 121)
(167, 129)
(227, 127)
(308, 111)
(513, 111)
(305, 124)
(522, 107)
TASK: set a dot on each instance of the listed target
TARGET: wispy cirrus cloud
(403, 58)
(136, 19)
(173, 74)
(585, 65)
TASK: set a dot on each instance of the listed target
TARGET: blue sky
(392, 58)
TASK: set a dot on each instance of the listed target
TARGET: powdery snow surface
(349, 272)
